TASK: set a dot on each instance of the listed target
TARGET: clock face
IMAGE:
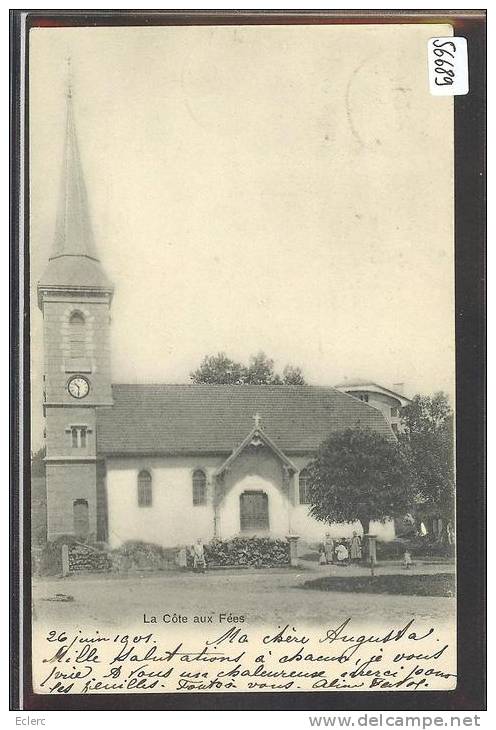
(78, 387)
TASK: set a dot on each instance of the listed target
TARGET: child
(342, 553)
(407, 560)
(198, 557)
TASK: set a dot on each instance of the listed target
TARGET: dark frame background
(470, 306)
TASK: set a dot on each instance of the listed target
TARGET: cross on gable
(257, 437)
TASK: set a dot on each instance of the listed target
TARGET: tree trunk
(365, 522)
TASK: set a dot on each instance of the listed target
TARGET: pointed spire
(74, 262)
(73, 232)
(69, 77)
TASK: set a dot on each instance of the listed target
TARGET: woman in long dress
(355, 548)
(329, 548)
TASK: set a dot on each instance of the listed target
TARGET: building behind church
(166, 463)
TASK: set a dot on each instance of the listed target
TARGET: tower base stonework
(71, 486)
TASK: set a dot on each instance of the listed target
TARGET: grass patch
(441, 584)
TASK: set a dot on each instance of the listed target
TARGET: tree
(221, 370)
(260, 371)
(358, 475)
(428, 444)
(293, 376)
(427, 414)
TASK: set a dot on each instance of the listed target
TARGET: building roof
(368, 386)
(357, 381)
(74, 261)
(174, 419)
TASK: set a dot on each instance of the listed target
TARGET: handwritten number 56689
(442, 61)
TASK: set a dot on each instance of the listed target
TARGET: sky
(285, 189)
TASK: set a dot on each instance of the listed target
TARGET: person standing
(198, 557)
(355, 548)
(329, 548)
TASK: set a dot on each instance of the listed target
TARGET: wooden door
(81, 518)
(254, 511)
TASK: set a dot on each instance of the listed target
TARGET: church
(166, 464)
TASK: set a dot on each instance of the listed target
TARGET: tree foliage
(427, 414)
(260, 371)
(221, 370)
(358, 475)
(428, 444)
(293, 376)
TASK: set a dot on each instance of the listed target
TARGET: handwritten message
(409, 656)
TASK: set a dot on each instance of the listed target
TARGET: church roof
(174, 419)
(73, 262)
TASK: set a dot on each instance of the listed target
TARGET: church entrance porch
(253, 489)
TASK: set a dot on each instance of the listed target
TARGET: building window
(144, 489)
(81, 517)
(199, 487)
(304, 492)
(394, 426)
(254, 511)
(79, 437)
(77, 335)
(394, 413)
(364, 397)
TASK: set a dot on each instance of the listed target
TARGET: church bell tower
(74, 295)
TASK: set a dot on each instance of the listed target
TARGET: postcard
(242, 343)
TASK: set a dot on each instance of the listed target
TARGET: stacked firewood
(84, 558)
(258, 552)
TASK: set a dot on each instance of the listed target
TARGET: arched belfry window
(304, 484)
(144, 489)
(77, 335)
(199, 487)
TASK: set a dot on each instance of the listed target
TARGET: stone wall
(67, 482)
(70, 471)
(58, 363)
